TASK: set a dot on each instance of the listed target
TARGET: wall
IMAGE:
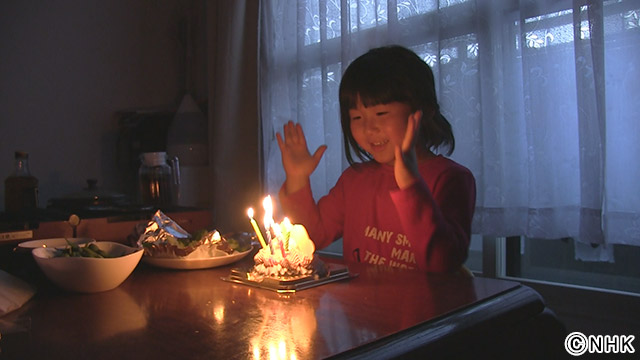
(66, 68)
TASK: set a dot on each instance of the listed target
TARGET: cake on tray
(288, 256)
(285, 262)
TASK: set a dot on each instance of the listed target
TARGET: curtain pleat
(234, 136)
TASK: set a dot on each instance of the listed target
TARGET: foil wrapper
(163, 237)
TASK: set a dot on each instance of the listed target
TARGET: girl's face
(379, 128)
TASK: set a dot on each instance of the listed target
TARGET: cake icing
(288, 255)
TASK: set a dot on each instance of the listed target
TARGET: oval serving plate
(192, 264)
(53, 242)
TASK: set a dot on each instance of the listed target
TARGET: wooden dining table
(376, 312)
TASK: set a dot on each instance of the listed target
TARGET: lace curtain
(541, 96)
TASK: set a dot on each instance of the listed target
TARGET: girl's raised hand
(297, 161)
(406, 162)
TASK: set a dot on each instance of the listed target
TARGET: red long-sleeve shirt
(426, 226)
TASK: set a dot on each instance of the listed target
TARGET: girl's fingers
(292, 133)
(413, 126)
(280, 141)
(287, 132)
(293, 136)
(300, 133)
(398, 154)
(408, 134)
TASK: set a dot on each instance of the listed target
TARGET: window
(540, 95)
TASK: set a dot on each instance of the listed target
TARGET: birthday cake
(285, 261)
(289, 254)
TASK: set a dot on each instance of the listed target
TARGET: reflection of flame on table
(285, 330)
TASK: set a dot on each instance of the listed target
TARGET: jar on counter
(159, 179)
(20, 188)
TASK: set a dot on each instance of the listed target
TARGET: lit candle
(278, 233)
(267, 228)
(286, 232)
(268, 211)
(268, 219)
(269, 239)
(286, 225)
(256, 228)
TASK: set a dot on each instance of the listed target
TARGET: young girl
(401, 205)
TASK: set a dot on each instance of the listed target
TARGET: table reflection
(160, 313)
(107, 315)
(285, 329)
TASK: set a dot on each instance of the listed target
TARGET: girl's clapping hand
(297, 161)
(406, 162)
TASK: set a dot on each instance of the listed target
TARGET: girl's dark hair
(389, 74)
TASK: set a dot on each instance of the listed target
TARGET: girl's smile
(379, 128)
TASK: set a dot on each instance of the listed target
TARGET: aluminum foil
(163, 237)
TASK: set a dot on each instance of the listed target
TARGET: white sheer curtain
(541, 96)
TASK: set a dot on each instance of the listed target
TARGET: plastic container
(187, 140)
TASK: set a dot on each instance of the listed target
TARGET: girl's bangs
(373, 90)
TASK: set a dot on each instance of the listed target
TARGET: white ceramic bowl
(53, 242)
(89, 275)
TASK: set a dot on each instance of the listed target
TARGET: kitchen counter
(115, 227)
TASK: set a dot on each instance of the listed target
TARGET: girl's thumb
(317, 156)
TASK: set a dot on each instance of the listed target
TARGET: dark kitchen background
(72, 70)
(86, 86)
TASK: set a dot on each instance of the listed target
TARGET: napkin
(13, 292)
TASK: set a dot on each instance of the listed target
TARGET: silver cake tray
(335, 272)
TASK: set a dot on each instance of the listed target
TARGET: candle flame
(216, 236)
(276, 229)
(286, 224)
(250, 213)
(268, 205)
(268, 211)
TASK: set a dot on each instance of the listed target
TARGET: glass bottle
(20, 188)
(157, 179)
